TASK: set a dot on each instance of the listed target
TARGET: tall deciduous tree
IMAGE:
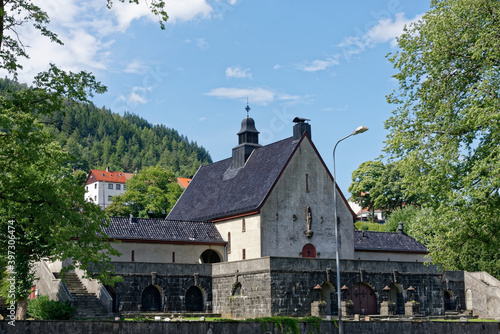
(446, 128)
(151, 193)
(364, 180)
(42, 211)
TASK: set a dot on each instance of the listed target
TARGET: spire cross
(247, 108)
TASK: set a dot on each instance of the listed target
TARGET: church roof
(219, 191)
(387, 242)
(162, 230)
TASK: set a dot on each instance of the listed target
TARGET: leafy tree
(150, 193)
(363, 180)
(41, 203)
(445, 130)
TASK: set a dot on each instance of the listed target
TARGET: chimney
(107, 168)
(248, 140)
(401, 228)
(300, 127)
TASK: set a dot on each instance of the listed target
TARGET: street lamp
(358, 130)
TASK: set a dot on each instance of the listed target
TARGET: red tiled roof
(104, 176)
(183, 182)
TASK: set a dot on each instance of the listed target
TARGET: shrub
(45, 309)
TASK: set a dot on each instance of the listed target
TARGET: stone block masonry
(127, 327)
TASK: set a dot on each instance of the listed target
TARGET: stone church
(253, 235)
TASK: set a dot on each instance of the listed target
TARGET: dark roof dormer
(248, 140)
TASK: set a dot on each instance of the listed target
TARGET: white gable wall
(248, 239)
(284, 235)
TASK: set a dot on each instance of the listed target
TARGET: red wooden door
(364, 299)
(308, 251)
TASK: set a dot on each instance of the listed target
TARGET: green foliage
(283, 324)
(44, 309)
(445, 130)
(378, 186)
(407, 215)
(369, 226)
(97, 138)
(363, 180)
(41, 202)
(151, 193)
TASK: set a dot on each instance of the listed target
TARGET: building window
(173, 257)
(307, 182)
(133, 256)
(118, 187)
(110, 198)
(86, 188)
(244, 253)
(95, 198)
(95, 186)
(110, 185)
(229, 242)
(124, 187)
(243, 225)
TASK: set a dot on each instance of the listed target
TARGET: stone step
(86, 304)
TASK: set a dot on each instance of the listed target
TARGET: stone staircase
(87, 304)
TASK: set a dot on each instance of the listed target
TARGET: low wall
(122, 327)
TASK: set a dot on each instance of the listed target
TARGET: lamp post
(358, 130)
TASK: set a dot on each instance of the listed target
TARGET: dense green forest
(97, 138)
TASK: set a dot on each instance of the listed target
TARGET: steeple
(248, 140)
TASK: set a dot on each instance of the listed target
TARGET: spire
(248, 140)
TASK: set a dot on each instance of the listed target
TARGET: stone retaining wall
(122, 327)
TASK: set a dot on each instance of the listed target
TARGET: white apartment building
(103, 185)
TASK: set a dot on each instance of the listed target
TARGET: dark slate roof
(218, 191)
(162, 230)
(386, 242)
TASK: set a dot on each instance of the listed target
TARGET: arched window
(210, 256)
(228, 242)
(243, 225)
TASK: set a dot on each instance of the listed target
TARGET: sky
(321, 60)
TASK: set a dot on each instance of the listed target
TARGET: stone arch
(396, 296)
(151, 298)
(364, 298)
(309, 251)
(194, 299)
(330, 297)
(210, 256)
(236, 289)
(114, 296)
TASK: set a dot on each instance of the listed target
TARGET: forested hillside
(97, 138)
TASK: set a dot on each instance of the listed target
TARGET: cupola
(248, 140)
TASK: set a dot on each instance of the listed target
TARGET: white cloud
(87, 29)
(237, 72)
(318, 65)
(136, 67)
(257, 95)
(277, 67)
(201, 119)
(386, 30)
(202, 44)
(136, 96)
(177, 10)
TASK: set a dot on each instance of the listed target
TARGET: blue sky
(323, 60)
